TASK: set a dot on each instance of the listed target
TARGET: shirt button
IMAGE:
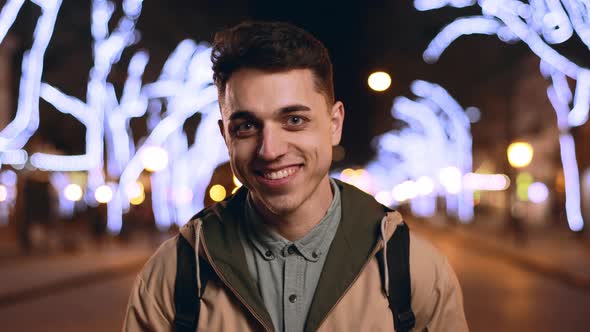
(292, 298)
(314, 254)
(291, 250)
(268, 254)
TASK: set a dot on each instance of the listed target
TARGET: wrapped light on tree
(539, 24)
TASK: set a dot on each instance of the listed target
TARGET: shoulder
(159, 272)
(426, 261)
(151, 303)
(434, 283)
(157, 278)
(428, 267)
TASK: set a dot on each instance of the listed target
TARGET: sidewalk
(551, 250)
(26, 278)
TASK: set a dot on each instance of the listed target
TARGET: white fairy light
(538, 23)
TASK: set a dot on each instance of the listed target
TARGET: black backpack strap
(400, 287)
(186, 297)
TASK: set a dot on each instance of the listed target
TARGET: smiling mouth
(280, 174)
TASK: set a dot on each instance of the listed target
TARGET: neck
(297, 223)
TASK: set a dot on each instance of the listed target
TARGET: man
(292, 250)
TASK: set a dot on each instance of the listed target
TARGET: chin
(281, 206)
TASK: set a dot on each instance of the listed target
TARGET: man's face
(279, 131)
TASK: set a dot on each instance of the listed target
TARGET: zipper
(227, 284)
(376, 249)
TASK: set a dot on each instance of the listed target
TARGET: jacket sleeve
(437, 299)
(447, 312)
(151, 303)
(143, 312)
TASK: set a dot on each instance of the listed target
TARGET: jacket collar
(221, 236)
(357, 235)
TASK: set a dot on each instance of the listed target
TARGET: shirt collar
(312, 246)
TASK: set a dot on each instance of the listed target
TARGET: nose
(272, 144)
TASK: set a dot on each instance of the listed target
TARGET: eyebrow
(293, 108)
(241, 114)
(245, 114)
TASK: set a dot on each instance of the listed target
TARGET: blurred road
(500, 295)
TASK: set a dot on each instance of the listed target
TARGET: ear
(222, 131)
(337, 120)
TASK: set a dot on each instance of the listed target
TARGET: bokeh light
(135, 193)
(103, 194)
(217, 193)
(486, 182)
(73, 192)
(520, 154)
(137, 199)
(237, 182)
(538, 192)
(8, 177)
(3, 193)
(347, 173)
(451, 178)
(359, 178)
(237, 185)
(379, 81)
(154, 158)
(384, 197)
(405, 191)
(473, 113)
(424, 185)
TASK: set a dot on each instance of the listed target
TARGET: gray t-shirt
(287, 273)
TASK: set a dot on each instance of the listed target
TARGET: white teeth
(280, 174)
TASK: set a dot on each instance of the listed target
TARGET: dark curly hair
(273, 47)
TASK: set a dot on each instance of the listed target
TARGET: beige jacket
(350, 295)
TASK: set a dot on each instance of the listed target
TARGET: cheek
(317, 139)
(240, 153)
(318, 146)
